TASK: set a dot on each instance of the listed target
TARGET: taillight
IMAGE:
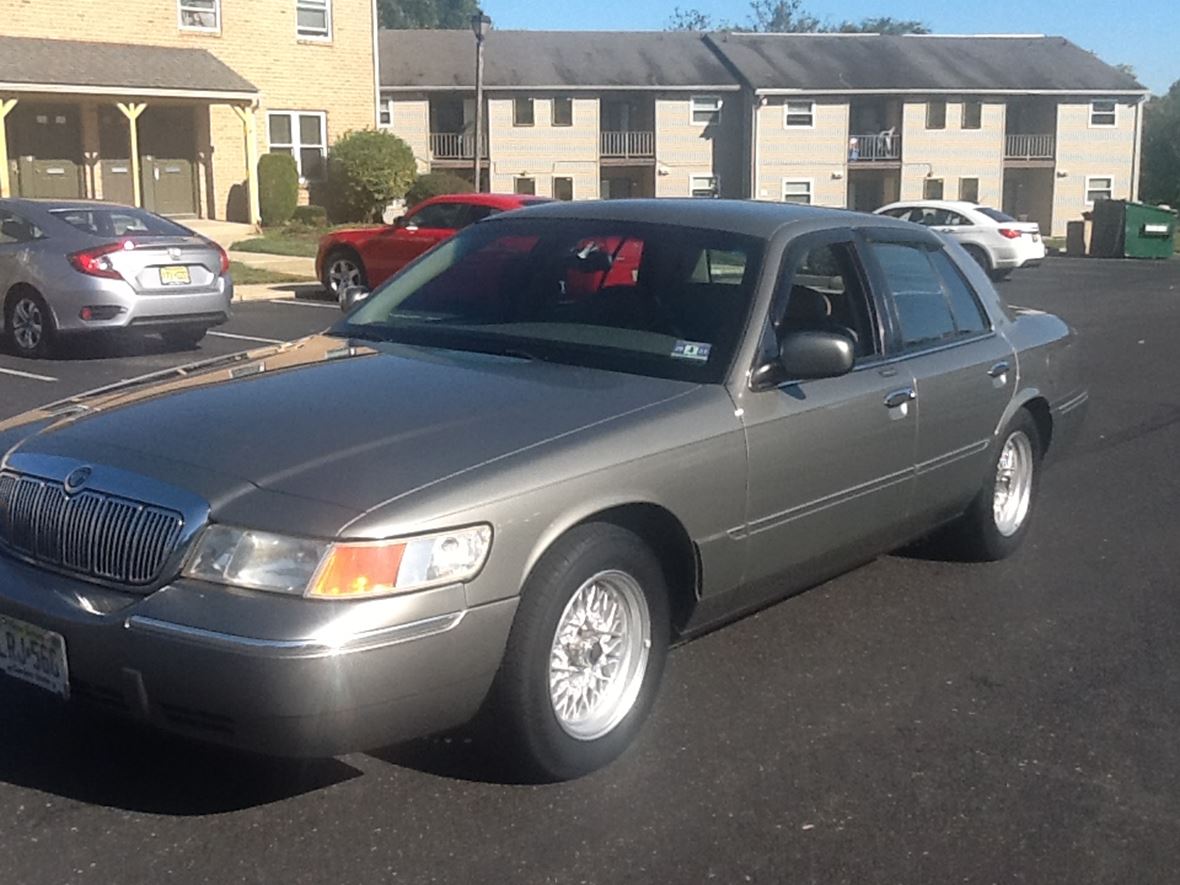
(96, 262)
(223, 258)
(1010, 233)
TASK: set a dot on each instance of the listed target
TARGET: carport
(121, 122)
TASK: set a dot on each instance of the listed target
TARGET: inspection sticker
(692, 350)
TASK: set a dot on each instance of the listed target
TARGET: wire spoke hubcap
(599, 655)
(343, 273)
(1013, 488)
(27, 324)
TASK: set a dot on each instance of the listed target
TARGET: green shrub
(310, 216)
(434, 184)
(278, 188)
(367, 169)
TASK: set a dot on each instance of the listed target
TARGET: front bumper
(267, 673)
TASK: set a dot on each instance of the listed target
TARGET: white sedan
(998, 242)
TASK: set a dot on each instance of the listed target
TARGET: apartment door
(114, 149)
(46, 142)
(167, 145)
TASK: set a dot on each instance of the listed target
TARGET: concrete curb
(289, 264)
(311, 292)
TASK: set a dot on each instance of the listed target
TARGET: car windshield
(119, 221)
(648, 299)
(994, 214)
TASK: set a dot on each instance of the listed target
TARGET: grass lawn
(294, 239)
(245, 275)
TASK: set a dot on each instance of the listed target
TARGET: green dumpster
(1123, 229)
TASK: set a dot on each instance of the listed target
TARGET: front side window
(313, 19)
(923, 286)
(563, 112)
(302, 135)
(972, 115)
(797, 190)
(799, 114)
(15, 229)
(617, 295)
(706, 109)
(199, 15)
(703, 186)
(522, 112)
(1103, 112)
(932, 189)
(563, 188)
(1099, 188)
(936, 115)
(447, 216)
(824, 291)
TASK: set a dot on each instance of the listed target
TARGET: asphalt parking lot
(912, 721)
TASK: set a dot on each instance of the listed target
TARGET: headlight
(343, 570)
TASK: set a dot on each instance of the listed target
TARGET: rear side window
(932, 301)
(121, 222)
(965, 308)
(14, 229)
(994, 214)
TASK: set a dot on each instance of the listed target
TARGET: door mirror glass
(815, 354)
(351, 296)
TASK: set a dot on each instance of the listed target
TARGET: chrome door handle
(900, 397)
(1000, 368)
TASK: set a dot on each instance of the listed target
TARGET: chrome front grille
(93, 534)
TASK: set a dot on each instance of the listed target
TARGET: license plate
(34, 655)
(174, 275)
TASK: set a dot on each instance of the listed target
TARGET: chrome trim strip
(841, 497)
(950, 457)
(1071, 404)
(364, 641)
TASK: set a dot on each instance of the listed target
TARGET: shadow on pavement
(468, 754)
(69, 752)
(100, 347)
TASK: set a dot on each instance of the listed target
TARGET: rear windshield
(120, 222)
(994, 214)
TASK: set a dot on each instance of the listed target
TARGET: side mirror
(351, 296)
(400, 221)
(806, 355)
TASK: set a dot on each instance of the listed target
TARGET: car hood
(324, 419)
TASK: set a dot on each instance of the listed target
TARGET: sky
(1142, 33)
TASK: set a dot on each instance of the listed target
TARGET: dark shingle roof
(115, 66)
(625, 59)
(864, 62)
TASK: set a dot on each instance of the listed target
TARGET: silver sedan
(75, 267)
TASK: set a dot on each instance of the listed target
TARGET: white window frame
(532, 111)
(553, 111)
(557, 178)
(930, 103)
(795, 182)
(963, 115)
(705, 104)
(181, 9)
(978, 179)
(1113, 113)
(930, 180)
(297, 146)
(317, 5)
(1089, 187)
(711, 183)
(788, 113)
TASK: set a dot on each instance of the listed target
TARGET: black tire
(978, 534)
(37, 335)
(345, 256)
(520, 706)
(1000, 274)
(979, 256)
(183, 337)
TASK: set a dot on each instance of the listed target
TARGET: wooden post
(132, 112)
(249, 117)
(6, 105)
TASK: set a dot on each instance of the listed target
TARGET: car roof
(955, 205)
(498, 201)
(48, 205)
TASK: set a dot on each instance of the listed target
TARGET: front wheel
(30, 325)
(585, 655)
(343, 269)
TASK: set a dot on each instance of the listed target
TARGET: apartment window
(522, 112)
(972, 115)
(932, 189)
(799, 114)
(313, 19)
(703, 186)
(706, 109)
(524, 186)
(797, 190)
(563, 112)
(200, 15)
(969, 189)
(563, 188)
(1099, 187)
(936, 115)
(1103, 112)
(302, 135)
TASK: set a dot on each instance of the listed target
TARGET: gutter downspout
(755, 146)
(1136, 157)
(376, 68)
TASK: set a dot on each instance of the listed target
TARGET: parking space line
(246, 337)
(31, 375)
(289, 303)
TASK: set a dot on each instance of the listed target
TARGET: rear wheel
(343, 268)
(29, 324)
(980, 257)
(183, 337)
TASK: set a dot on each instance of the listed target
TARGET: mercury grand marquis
(508, 479)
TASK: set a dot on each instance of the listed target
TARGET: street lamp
(480, 25)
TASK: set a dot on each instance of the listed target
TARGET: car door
(396, 246)
(964, 371)
(830, 460)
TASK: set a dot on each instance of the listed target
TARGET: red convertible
(368, 256)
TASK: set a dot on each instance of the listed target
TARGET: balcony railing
(875, 147)
(1029, 147)
(455, 146)
(627, 144)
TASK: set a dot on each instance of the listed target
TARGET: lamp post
(480, 25)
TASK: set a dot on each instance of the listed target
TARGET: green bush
(434, 184)
(310, 216)
(367, 169)
(278, 188)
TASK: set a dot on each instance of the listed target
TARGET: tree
(691, 20)
(367, 170)
(883, 24)
(433, 14)
(790, 17)
(782, 17)
(1160, 182)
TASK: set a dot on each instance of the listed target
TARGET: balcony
(874, 147)
(455, 146)
(1030, 147)
(627, 144)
